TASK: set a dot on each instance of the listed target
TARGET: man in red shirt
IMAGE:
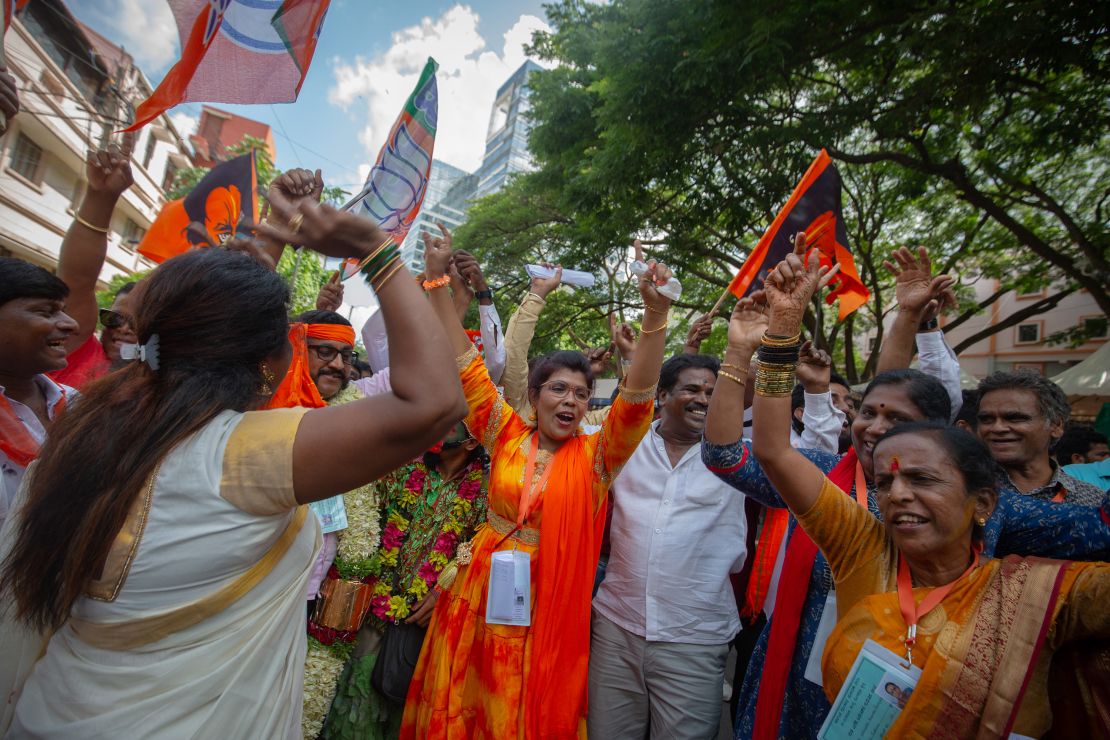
(83, 251)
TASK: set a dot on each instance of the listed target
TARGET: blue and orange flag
(815, 208)
(395, 187)
(223, 202)
(238, 51)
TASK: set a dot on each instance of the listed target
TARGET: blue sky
(366, 63)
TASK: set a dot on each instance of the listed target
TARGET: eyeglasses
(114, 319)
(327, 353)
(559, 389)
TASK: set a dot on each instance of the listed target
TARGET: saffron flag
(395, 187)
(815, 208)
(9, 9)
(220, 204)
(238, 51)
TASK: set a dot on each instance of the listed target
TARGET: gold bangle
(655, 310)
(87, 225)
(774, 381)
(735, 379)
(737, 368)
(381, 285)
(772, 341)
(366, 260)
(661, 327)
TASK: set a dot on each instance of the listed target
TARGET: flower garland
(394, 598)
(322, 667)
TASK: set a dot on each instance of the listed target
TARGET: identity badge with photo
(509, 596)
(877, 688)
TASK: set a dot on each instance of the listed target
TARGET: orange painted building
(219, 129)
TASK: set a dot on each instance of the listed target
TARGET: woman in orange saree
(480, 680)
(982, 631)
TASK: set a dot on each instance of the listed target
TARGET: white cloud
(469, 74)
(185, 124)
(145, 29)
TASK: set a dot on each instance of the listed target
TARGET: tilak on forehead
(894, 464)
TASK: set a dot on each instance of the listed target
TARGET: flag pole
(717, 306)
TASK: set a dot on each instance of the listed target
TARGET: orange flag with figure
(815, 208)
(225, 200)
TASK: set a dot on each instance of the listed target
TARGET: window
(131, 235)
(170, 176)
(26, 159)
(1028, 333)
(149, 154)
(1095, 327)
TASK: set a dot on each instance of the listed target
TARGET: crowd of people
(222, 521)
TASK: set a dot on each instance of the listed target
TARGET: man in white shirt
(665, 613)
(34, 328)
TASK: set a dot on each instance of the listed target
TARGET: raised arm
(489, 322)
(643, 373)
(821, 421)
(292, 187)
(85, 246)
(725, 423)
(919, 294)
(788, 288)
(518, 338)
(425, 399)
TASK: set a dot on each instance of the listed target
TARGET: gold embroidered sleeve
(257, 474)
(624, 427)
(463, 361)
(647, 394)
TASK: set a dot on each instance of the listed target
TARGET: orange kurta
(959, 642)
(476, 680)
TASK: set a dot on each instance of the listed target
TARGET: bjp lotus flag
(815, 208)
(238, 51)
(221, 203)
(395, 187)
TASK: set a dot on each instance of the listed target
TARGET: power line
(282, 127)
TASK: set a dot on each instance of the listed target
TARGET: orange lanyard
(911, 611)
(530, 494)
(861, 485)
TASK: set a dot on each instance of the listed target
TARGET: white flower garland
(321, 676)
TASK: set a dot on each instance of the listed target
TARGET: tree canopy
(975, 127)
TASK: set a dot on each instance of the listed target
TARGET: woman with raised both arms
(162, 540)
(981, 630)
(547, 489)
(782, 693)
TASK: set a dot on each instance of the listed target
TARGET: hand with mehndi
(916, 289)
(747, 323)
(791, 285)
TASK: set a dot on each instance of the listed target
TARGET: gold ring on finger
(295, 222)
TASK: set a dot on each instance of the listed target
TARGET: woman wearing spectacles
(547, 488)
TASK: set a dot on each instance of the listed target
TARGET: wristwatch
(928, 325)
(484, 294)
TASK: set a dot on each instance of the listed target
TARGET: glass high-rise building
(507, 137)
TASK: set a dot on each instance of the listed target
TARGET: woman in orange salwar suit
(479, 680)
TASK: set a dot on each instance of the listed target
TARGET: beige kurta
(196, 628)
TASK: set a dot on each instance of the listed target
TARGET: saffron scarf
(797, 567)
(297, 387)
(570, 543)
(15, 441)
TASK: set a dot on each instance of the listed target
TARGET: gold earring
(982, 521)
(266, 389)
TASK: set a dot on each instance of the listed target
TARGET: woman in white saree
(161, 538)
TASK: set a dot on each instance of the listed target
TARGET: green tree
(977, 128)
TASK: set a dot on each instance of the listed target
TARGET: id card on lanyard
(509, 590)
(874, 693)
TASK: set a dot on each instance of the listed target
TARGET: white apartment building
(75, 89)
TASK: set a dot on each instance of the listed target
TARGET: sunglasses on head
(114, 319)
